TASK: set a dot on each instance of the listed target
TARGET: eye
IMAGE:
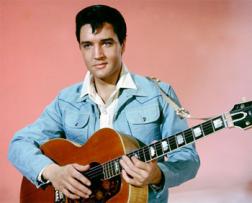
(86, 45)
(108, 43)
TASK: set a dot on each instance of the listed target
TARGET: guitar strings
(206, 126)
(108, 166)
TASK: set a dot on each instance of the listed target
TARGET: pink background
(202, 47)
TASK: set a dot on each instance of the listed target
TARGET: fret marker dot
(217, 123)
(164, 145)
(152, 152)
(180, 139)
(197, 132)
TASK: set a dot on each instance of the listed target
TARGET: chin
(101, 76)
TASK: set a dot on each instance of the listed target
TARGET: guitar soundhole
(104, 190)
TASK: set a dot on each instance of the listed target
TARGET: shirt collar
(125, 81)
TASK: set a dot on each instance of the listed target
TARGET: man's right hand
(68, 180)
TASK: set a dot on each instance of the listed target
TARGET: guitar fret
(176, 142)
(184, 137)
(203, 133)
(105, 171)
(108, 169)
(145, 158)
(141, 155)
(212, 125)
(117, 167)
(112, 168)
(135, 154)
(147, 153)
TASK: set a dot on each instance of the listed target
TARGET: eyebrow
(107, 39)
(103, 40)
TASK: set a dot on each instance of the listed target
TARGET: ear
(123, 46)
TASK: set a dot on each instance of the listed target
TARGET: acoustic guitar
(104, 173)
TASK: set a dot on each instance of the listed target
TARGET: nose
(98, 52)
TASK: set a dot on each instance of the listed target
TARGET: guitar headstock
(241, 115)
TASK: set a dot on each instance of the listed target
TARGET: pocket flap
(143, 114)
(76, 120)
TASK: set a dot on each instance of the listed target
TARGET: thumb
(81, 167)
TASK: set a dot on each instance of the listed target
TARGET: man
(110, 96)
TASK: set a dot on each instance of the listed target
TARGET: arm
(181, 166)
(25, 154)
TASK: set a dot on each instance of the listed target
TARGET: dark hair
(96, 15)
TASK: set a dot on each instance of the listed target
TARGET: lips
(100, 65)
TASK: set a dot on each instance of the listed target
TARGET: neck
(105, 88)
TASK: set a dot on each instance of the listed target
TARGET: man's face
(102, 52)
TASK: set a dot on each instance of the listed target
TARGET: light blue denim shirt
(142, 113)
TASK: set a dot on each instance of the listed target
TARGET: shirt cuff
(41, 179)
(158, 187)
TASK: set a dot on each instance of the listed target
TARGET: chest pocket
(76, 126)
(144, 122)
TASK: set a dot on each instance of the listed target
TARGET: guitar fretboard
(162, 147)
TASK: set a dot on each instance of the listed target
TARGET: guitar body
(104, 145)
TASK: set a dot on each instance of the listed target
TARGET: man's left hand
(138, 173)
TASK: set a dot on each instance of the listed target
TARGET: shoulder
(152, 89)
(70, 93)
(146, 84)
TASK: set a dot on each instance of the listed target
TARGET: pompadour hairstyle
(97, 15)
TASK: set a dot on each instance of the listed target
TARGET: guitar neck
(169, 144)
